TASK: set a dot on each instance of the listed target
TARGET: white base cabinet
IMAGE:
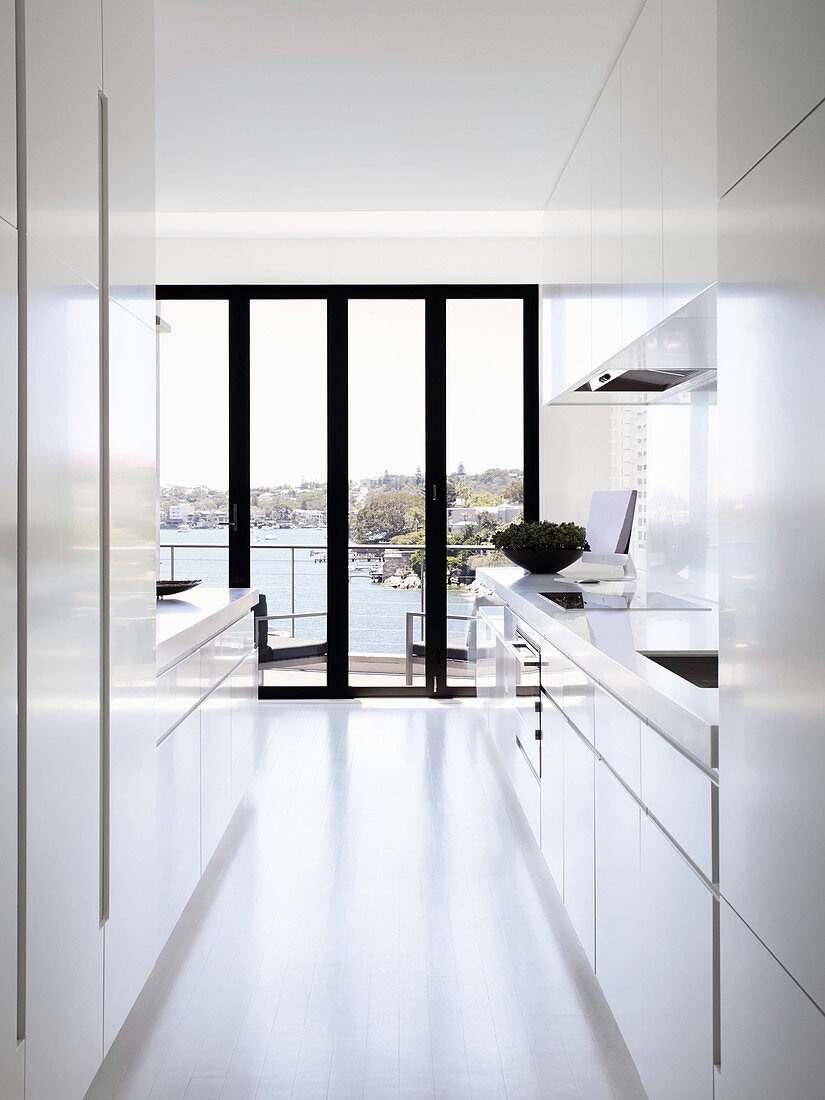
(179, 855)
(216, 769)
(579, 838)
(247, 732)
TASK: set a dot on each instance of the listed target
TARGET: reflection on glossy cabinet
(772, 695)
(606, 199)
(579, 839)
(8, 115)
(128, 73)
(11, 1055)
(552, 791)
(688, 149)
(619, 947)
(773, 1037)
(64, 984)
(216, 769)
(771, 73)
(247, 732)
(63, 76)
(641, 121)
(672, 1043)
(178, 819)
(568, 225)
(618, 738)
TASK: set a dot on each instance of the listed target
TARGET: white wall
(348, 260)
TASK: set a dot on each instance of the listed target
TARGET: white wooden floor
(375, 924)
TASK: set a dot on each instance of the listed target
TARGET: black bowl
(172, 588)
(543, 561)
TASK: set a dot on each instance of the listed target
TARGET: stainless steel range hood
(676, 357)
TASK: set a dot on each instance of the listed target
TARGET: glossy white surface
(618, 738)
(772, 756)
(63, 75)
(248, 730)
(131, 933)
(178, 821)
(129, 83)
(216, 769)
(605, 645)
(379, 925)
(680, 797)
(8, 115)
(567, 224)
(641, 73)
(606, 220)
(552, 792)
(187, 621)
(11, 1055)
(773, 1037)
(672, 1038)
(771, 66)
(688, 149)
(619, 946)
(178, 690)
(64, 967)
(579, 839)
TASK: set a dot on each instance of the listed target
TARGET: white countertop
(186, 621)
(606, 645)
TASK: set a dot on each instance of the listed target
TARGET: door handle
(233, 525)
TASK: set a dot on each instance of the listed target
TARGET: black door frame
(435, 298)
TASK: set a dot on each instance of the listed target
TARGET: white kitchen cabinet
(771, 74)
(552, 791)
(216, 769)
(578, 700)
(682, 797)
(688, 149)
(248, 734)
(569, 315)
(618, 737)
(606, 221)
(672, 1039)
(771, 647)
(63, 77)
(129, 84)
(619, 943)
(8, 115)
(131, 934)
(641, 126)
(11, 1055)
(579, 838)
(64, 939)
(178, 819)
(773, 1036)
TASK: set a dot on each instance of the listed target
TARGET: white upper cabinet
(641, 75)
(128, 81)
(688, 149)
(8, 124)
(567, 320)
(606, 221)
(771, 74)
(63, 77)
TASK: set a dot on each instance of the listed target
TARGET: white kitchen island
(613, 761)
(208, 740)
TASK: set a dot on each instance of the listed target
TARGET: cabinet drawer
(178, 690)
(618, 738)
(238, 639)
(553, 666)
(528, 791)
(578, 700)
(681, 797)
(225, 651)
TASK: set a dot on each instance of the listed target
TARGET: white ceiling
(375, 105)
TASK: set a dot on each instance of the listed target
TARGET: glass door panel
(288, 485)
(485, 455)
(386, 484)
(193, 441)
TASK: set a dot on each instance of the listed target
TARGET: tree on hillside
(514, 493)
(385, 516)
(460, 471)
(452, 492)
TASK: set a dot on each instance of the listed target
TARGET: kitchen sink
(700, 669)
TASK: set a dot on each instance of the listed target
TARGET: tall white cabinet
(772, 644)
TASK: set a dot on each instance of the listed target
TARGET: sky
(386, 389)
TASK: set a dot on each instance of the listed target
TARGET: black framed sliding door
(376, 435)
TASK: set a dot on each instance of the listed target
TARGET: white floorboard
(377, 923)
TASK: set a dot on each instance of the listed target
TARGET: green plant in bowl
(541, 547)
